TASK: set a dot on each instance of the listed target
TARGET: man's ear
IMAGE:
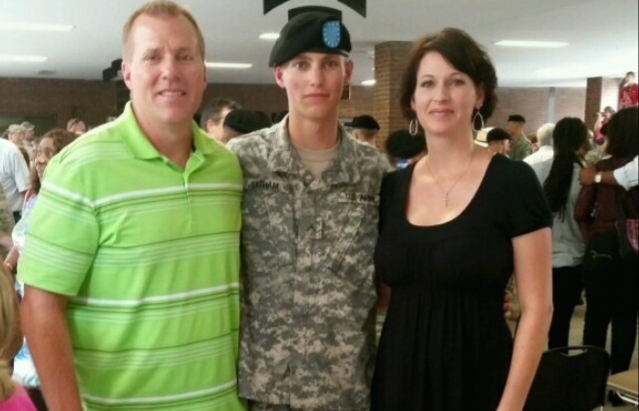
(126, 74)
(278, 71)
(350, 67)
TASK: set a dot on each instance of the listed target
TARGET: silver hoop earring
(413, 127)
(481, 120)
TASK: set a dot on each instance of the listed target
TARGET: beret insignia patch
(332, 34)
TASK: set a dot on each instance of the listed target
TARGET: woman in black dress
(453, 229)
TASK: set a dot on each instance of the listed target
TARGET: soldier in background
(241, 121)
(498, 141)
(213, 115)
(310, 226)
(520, 146)
(365, 129)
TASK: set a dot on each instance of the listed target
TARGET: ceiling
(603, 35)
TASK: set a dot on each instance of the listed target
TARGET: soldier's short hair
(213, 110)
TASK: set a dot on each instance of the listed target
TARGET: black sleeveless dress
(445, 344)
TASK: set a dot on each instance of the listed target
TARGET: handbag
(627, 228)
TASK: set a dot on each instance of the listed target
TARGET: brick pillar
(390, 60)
(600, 92)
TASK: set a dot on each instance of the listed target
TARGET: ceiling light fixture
(532, 44)
(35, 27)
(236, 66)
(269, 36)
(369, 83)
(13, 58)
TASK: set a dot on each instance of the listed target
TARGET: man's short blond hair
(156, 9)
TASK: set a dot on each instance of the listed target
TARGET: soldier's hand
(508, 304)
(587, 175)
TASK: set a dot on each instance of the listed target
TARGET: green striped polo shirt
(148, 254)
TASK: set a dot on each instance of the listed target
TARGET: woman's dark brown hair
(61, 138)
(622, 133)
(463, 53)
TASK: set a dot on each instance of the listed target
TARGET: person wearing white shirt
(546, 151)
(558, 176)
(626, 176)
(14, 176)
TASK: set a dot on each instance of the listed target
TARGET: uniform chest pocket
(353, 234)
(267, 229)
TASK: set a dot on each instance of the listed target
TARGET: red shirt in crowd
(629, 96)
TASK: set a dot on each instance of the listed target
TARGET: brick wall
(390, 61)
(570, 102)
(268, 98)
(61, 100)
(534, 104)
(361, 102)
(600, 92)
(95, 101)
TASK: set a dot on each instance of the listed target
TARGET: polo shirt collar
(140, 146)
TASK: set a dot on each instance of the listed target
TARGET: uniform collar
(284, 158)
(140, 146)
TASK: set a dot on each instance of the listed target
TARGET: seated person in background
(240, 121)
(365, 129)
(498, 141)
(404, 149)
(546, 151)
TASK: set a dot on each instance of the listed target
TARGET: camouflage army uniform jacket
(521, 148)
(308, 327)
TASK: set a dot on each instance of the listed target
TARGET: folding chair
(627, 385)
(570, 379)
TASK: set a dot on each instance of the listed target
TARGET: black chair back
(570, 379)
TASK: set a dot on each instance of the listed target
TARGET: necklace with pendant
(447, 192)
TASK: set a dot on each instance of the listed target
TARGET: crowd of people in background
(126, 254)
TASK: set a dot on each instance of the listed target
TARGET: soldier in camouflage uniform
(308, 329)
(520, 146)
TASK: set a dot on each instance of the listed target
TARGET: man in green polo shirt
(132, 254)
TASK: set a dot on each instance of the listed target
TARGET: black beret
(517, 118)
(365, 122)
(245, 121)
(310, 32)
(401, 144)
(497, 134)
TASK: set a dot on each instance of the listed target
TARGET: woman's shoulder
(509, 171)
(398, 176)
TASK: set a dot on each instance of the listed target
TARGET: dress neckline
(465, 211)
